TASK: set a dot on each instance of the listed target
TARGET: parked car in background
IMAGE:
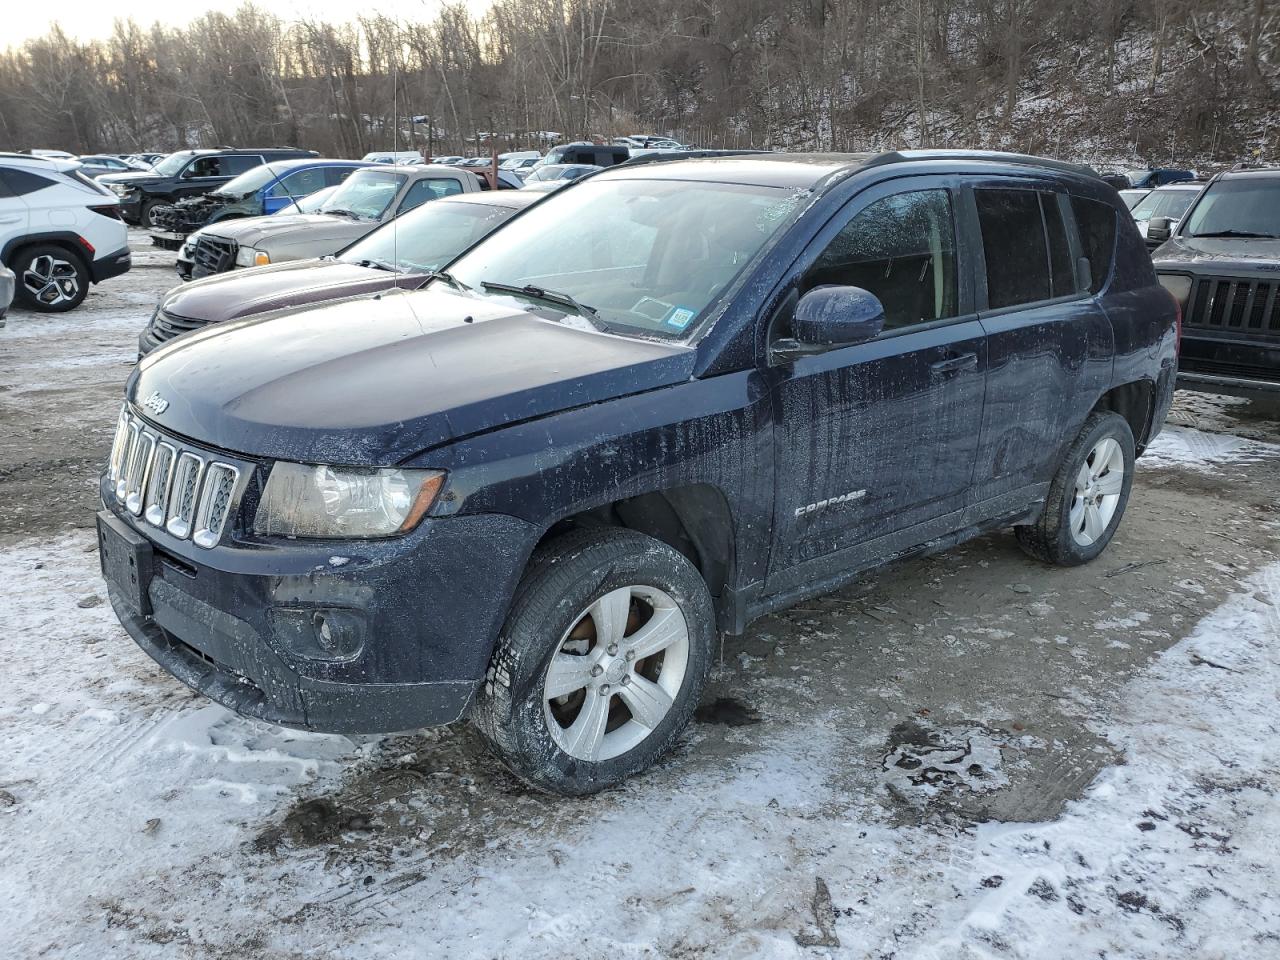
(392, 156)
(369, 197)
(657, 406)
(1170, 202)
(1157, 177)
(399, 254)
(7, 289)
(264, 190)
(584, 153)
(1222, 264)
(1131, 196)
(552, 176)
(60, 231)
(187, 173)
(95, 165)
(53, 154)
(448, 161)
(520, 166)
(308, 204)
(147, 159)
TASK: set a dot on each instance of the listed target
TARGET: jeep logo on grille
(156, 403)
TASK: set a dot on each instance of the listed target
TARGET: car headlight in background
(249, 257)
(119, 189)
(1177, 284)
(305, 500)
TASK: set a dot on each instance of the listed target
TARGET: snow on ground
(1180, 447)
(137, 820)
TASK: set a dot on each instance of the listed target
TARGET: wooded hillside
(1190, 81)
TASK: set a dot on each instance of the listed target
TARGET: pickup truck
(1221, 261)
(667, 400)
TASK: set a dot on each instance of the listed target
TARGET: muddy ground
(968, 688)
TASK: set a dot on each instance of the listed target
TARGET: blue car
(264, 190)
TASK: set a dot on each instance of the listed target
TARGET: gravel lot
(970, 755)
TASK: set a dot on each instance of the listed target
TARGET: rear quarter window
(1096, 222)
(22, 182)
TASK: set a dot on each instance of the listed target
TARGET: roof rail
(991, 156)
(687, 155)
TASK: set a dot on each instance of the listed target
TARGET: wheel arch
(1135, 401)
(64, 239)
(693, 518)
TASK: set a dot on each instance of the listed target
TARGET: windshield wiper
(338, 212)
(1239, 234)
(377, 264)
(551, 296)
(447, 277)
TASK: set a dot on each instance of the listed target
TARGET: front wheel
(601, 662)
(1087, 496)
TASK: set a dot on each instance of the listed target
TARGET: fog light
(323, 633)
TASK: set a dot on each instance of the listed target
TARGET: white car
(60, 231)
(7, 282)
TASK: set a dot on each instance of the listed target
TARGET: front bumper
(112, 265)
(227, 621)
(1230, 385)
(131, 207)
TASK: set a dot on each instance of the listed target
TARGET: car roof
(46, 164)
(492, 198)
(1256, 172)
(806, 170)
(1183, 185)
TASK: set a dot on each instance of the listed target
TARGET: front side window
(1025, 242)
(366, 194)
(1247, 208)
(902, 249)
(648, 256)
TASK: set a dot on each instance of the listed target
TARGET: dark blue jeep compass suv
(665, 401)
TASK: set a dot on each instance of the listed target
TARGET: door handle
(965, 361)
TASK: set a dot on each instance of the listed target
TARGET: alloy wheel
(1097, 491)
(616, 673)
(51, 280)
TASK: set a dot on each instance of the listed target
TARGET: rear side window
(234, 166)
(335, 175)
(1096, 222)
(1025, 241)
(300, 183)
(21, 182)
(425, 190)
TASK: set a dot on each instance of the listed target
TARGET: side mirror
(1159, 229)
(828, 317)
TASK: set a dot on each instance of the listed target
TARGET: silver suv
(367, 198)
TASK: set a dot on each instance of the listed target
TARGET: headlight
(302, 500)
(249, 257)
(119, 189)
(1177, 284)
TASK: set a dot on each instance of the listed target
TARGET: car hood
(282, 286)
(375, 381)
(313, 227)
(1223, 253)
(136, 177)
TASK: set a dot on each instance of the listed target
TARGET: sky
(92, 19)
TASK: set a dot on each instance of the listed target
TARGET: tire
(1083, 508)
(147, 214)
(51, 279)
(620, 719)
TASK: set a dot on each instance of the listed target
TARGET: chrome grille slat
(215, 503)
(156, 503)
(178, 490)
(182, 496)
(139, 465)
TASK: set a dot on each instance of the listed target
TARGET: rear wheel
(601, 662)
(50, 279)
(1087, 497)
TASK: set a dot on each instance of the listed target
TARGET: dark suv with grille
(1222, 264)
(187, 173)
(666, 400)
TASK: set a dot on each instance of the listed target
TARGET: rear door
(1049, 344)
(875, 442)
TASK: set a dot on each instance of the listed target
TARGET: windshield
(1164, 203)
(171, 164)
(428, 237)
(366, 193)
(648, 256)
(254, 180)
(1131, 197)
(1247, 206)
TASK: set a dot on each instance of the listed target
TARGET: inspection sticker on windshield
(679, 317)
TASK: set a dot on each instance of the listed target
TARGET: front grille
(178, 490)
(1234, 304)
(213, 255)
(165, 326)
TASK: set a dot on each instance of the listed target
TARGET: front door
(876, 442)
